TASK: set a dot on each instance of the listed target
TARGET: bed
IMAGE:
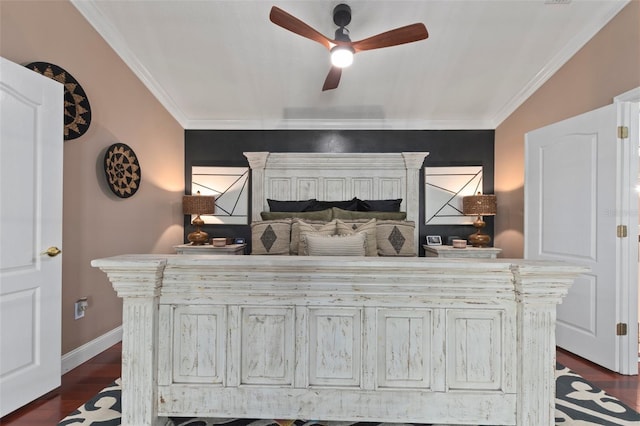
(338, 338)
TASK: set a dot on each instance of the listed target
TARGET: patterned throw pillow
(336, 245)
(395, 238)
(368, 228)
(271, 237)
(305, 228)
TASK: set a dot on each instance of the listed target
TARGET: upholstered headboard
(336, 177)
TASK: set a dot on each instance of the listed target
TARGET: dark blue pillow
(379, 205)
(290, 206)
(344, 205)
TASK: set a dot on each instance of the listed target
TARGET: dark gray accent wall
(446, 148)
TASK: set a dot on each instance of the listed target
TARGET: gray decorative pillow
(336, 245)
(395, 238)
(324, 215)
(368, 228)
(350, 215)
(304, 229)
(271, 237)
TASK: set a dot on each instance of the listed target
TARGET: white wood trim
(278, 175)
(511, 305)
(339, 124)
(632, 95)
(589, 30)
(84, 353)
(113, 37)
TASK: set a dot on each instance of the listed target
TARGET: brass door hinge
(621, 231)
(621, 329)
(623, 132)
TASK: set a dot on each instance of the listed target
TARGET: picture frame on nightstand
(434, 240)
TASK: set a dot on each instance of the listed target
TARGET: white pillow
(336, 245)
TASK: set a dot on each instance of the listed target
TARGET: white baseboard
(87, 351)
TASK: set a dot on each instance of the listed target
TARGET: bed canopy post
(257, 163)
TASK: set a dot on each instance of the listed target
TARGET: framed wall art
(230, 187)
(444, 189)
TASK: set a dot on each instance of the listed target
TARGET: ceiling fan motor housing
(342, 15)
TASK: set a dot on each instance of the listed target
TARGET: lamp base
(479, 239)
(198, 237)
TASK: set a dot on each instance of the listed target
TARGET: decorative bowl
(218, 242)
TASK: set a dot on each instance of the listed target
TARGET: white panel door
(31, 126)
(579, 180)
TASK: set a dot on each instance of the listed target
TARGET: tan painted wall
(605, 67)
(97, 223)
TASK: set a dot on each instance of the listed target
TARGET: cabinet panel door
(474, 349)
(268, 347)
(199, 337)
(404, 348)
(335, 342)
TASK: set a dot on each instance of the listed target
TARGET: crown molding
(114, 38)
(589, 30)
(333, 124)
(632, 95)
(92, 13)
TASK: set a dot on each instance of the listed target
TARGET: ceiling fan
(342, 48)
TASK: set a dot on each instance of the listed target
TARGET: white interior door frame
(629, 115)
(583, 166)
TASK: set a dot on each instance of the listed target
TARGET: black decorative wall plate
(122, 170)
(77, 111)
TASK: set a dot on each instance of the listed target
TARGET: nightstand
(468, 252)
(229, 249)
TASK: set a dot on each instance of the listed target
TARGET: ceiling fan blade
(402, 35)
(293, 24)
(333, 78)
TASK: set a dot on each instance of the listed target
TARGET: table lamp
(198, 204)
(479, 205)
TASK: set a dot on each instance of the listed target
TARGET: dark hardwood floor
(85, 381)
(625, 388)
(78, 385)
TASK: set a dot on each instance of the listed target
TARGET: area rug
(578, 402)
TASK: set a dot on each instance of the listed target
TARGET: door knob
(52, 251)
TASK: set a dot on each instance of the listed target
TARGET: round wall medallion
(122, 170)
(77, 112)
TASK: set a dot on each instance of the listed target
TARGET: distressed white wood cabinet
(358, 339)
(457, 253)
(228, 250)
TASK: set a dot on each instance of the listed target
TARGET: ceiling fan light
(341, 56)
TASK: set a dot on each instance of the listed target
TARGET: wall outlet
(79, 307)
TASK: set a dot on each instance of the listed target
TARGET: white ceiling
(224, 65)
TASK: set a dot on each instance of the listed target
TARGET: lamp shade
(198, 204)
(479, 205)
